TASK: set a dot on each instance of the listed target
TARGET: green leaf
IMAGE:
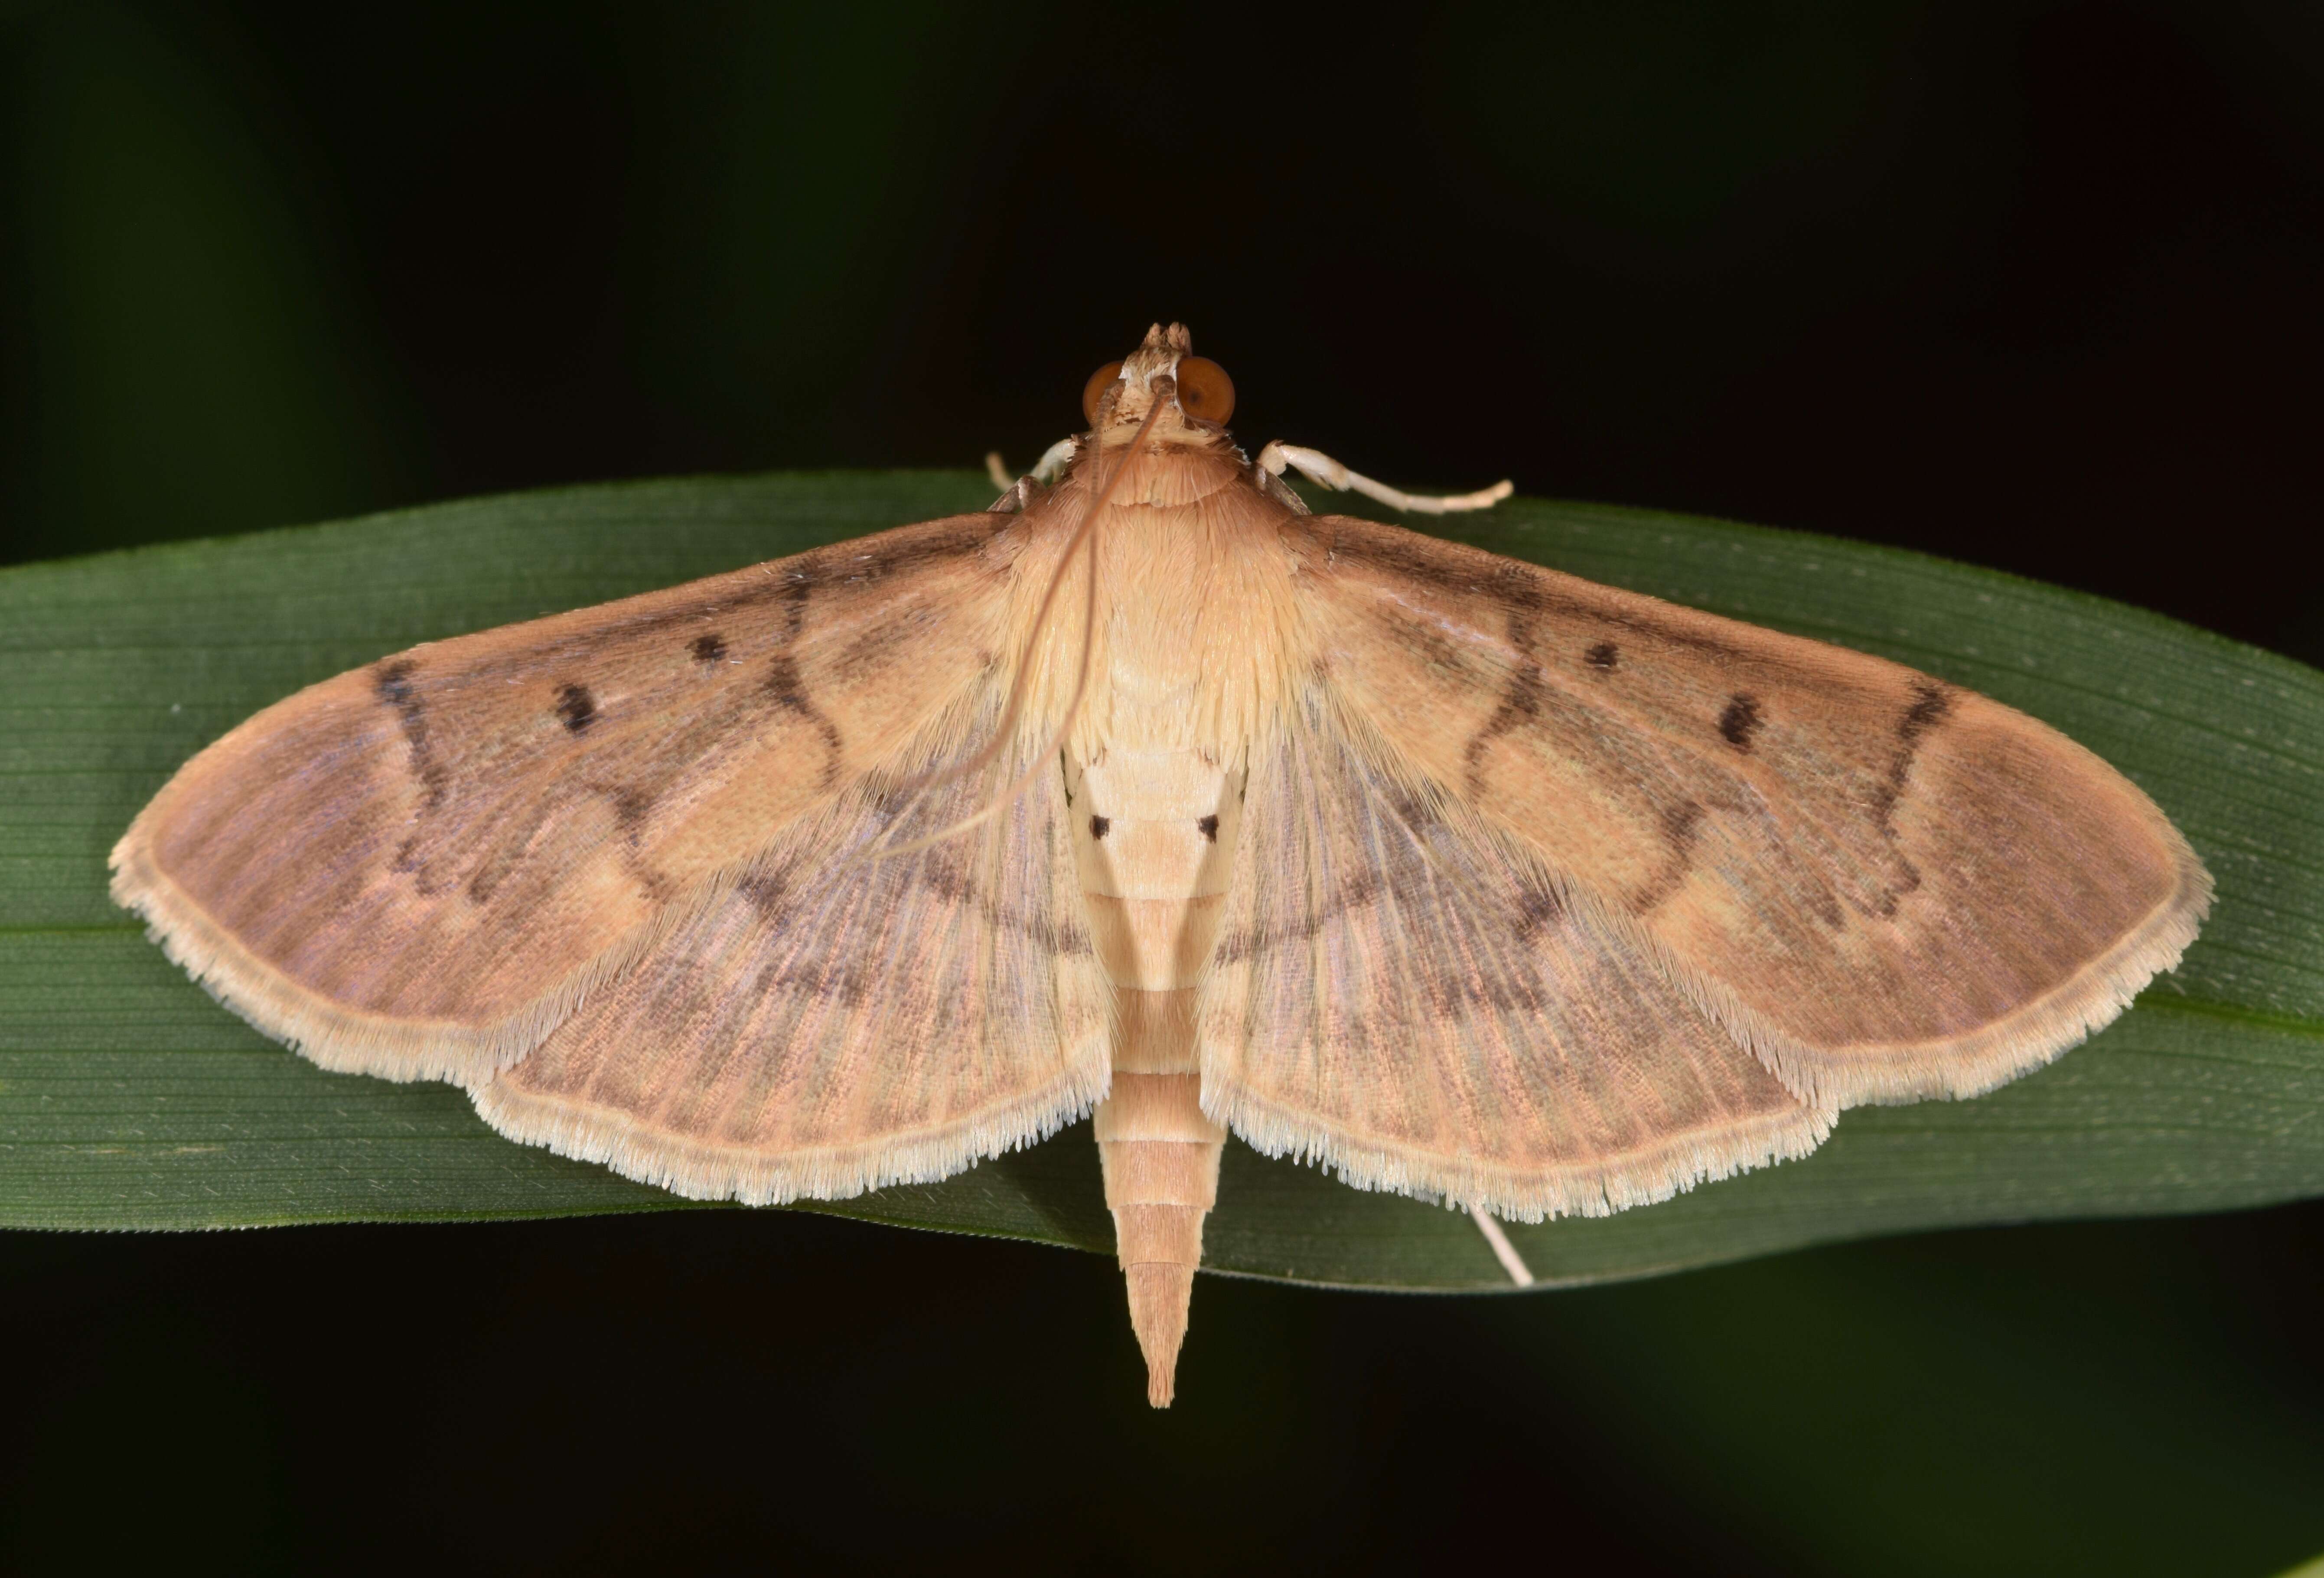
(129, 1100)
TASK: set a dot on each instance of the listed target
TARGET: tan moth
(1147, 792)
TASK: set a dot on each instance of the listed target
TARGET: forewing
(1402, 993)
(1887, 886)
(416, 868)
(839, 1019)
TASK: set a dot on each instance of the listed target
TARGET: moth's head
(1200, 396)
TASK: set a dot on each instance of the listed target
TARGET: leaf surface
(128, 1099)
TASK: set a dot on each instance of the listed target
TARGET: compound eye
(1205, 393)
(1095, 389)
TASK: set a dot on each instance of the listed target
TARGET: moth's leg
(1053, 461)
(1503, 1250)
(1320, 467)
(1017, 494)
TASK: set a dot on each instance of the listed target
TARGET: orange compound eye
(1095, 389)
(1205, 393)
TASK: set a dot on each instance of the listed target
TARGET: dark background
(2034, 286)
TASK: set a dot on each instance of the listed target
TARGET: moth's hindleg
(1319, 467)
(1503, 1250)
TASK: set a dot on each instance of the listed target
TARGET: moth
(1148, 794)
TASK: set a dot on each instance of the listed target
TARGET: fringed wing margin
(1406, 997)
(839, 1019)
(417, 870)
(1888, 886)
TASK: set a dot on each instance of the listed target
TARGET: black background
(2033, 286)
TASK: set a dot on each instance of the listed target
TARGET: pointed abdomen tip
(1159, 1294)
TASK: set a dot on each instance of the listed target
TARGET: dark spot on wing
(1520, 587)
(577, 706)
(1680, 825)
(784, 687)
(631, 812)
(765, 890)
(1604, 656)
(1537, 907)
(798, 589)
(630, 808)
(393, 682)
(1409, 809)
(771, 601)
(1100, 826)
(1740, 721)
(1258, 941)
(948, 876)
(1425, 642)
(838, 980)
(1908, 879)
(1210, 828)
(786, 690)
(781, 900)
(1930, 702)
(708, 648)
(1521, 697)
(1930, 705)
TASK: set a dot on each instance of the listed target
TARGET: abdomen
(1155, 833)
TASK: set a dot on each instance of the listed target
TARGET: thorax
(1194, 632)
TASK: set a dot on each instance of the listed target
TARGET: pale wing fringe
(1599, 1187)
(1652, 1166)
(1959, 1068)
(1405, 616)
(418, 868)
(636, 1148)
(2034, 1035)
(349, 1040)
(343, 1039)
(688, 979)
(2031, 1036)
(1586, 1189)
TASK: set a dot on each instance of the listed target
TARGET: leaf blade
(127, 1099)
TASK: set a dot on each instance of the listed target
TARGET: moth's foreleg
(1016, 494)
(1319, 467)
(1055, 460)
